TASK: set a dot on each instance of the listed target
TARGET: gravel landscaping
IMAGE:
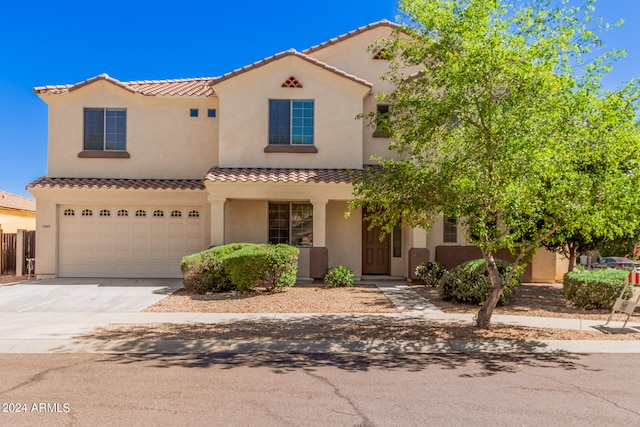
(302, 298)
(530, 299)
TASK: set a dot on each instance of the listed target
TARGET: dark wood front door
(375, 253)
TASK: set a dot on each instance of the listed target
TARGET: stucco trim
(290, 149)
(96, 154)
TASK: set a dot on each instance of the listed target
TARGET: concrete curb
(52, 346)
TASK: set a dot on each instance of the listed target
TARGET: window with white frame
(105, 129)
(291, 121)
(291, 223)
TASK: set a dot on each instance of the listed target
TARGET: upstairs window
(291, 121)
(382, 131)
(105, 129)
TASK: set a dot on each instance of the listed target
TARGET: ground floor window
(291, 223)
(397, 241)
(450, 229)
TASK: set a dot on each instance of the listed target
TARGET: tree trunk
(484, 315)
(572, 256)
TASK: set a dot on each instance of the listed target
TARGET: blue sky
(59, 42)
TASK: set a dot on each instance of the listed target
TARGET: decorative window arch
(158, 213)
(87, 212)
(141, 213)
(123, 212)
(105, 212)
(194, 214)
(69, 212)
(176, 214)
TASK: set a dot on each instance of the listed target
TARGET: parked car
(615, 262)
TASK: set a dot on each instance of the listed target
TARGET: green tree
(500, 119)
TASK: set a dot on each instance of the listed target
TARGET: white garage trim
(127, 241)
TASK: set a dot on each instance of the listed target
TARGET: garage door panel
(116, 245)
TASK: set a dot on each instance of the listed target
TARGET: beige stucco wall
(244, 114)
(344, 237)
(546, 266)
(48, 200)
(353, 56)
(12, 220)
(163, 141)
(435, 237)
(246, 221)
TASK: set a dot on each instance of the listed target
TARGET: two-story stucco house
(142, 173)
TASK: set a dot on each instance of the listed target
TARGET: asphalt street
(266, 389)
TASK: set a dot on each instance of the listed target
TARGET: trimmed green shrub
(274, 266)
(204, 271)
(469, 283)
(240, 266)
(430, 272)
(283, 266)
(596, 288)
(340, 276)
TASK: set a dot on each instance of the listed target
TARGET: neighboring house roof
(290, 52)
(13, 201)
(218, 174)
(119, 184)
(177, 87)
(383, 23)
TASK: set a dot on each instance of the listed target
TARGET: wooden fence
(9, 256)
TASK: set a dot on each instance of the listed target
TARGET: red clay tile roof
(291, 52)
(202, 86)
(119, 184)
(177, 87)
(383, 23)
(13, 201)
(218, 174)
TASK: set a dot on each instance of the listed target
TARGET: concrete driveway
(85, 295)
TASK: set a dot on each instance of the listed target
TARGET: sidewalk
(51, 332)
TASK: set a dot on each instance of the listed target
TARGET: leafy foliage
(596, 288)
(240, 266)
(500, 120)
(430, 272)
(340, 276)
(204, 271)
(469, 283)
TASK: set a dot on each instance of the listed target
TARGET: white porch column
(217, 219)
(319, 222)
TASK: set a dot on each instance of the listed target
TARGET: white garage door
(131, 241)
